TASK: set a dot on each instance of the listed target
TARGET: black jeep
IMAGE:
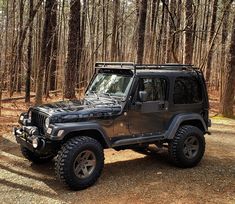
(126, 106)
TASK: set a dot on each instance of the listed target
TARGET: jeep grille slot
(38, 120)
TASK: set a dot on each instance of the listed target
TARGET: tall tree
(165, 28)
(153, 28)
(188, 49)
(172, 29)
(46, 47)
(211, 41)
(54, 49)
(141, 30)
(223, 45)
(73, 49)
(229, 87)
(51, 57)
(116, 5)
(19, 54)
(29, 53)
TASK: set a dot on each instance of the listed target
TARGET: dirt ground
(128, 177)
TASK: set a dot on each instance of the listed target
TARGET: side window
(187, 91)
(155, 88)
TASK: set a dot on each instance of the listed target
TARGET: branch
(215, 35)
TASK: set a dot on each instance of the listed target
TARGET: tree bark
(226, 108)
(211, 41)
(52, 80)
(20, 55)
(188, 49)
(29, 52)
(141, 31)
(223, 46)
(172, 28)
(73, 55)
(116, 5)
(45, 52)
(51, 55)
(155, 11)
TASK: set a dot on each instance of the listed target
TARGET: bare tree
(188, 50)
(116, 5)
(229, 87)
(46, 47)
(223, 45)
(141, 30)
(211, 41)
(29, 52)
(73, 49)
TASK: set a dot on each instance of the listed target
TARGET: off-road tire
(34, 157)
(177, 145)
(67, 156)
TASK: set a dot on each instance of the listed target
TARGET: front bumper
(26, 135)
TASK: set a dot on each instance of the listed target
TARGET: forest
(48, 51)
(51, 46)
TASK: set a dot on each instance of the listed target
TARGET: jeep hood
(72, 110)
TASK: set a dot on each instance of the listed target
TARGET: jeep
(125, 106)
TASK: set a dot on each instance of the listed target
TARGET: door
(149, 115)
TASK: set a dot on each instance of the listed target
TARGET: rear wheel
(188, 146)
(35, 157)
(80, 162)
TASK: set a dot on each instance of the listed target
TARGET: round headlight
(47, 122)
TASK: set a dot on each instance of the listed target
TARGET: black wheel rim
(191, 147)
(84, 164)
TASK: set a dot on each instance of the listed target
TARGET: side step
(137, 140)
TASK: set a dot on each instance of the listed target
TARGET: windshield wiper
(111, 97)
(94, 93)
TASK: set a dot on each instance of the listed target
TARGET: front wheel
(187, 147)
(80, 162)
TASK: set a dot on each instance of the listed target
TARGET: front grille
(38, 120)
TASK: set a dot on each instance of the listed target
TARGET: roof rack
(165, 66)
(112, 64)
(131, 65)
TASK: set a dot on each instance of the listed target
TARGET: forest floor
(128, 177)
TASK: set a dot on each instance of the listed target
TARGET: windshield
(110, 84)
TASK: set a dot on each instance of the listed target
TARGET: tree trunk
(155, 11)
(188, 49)
(212, 33)
(116, 5)
(223, 47)
(73, 49)
(45, 52)
(19, 71)
(141, 31)
(52, 80)
(229, 87)
(51, 55)
(172, 28)
(164, 37)
(29, 68)
(159, 40)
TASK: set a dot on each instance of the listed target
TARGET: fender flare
(76, 127)
(179, 119)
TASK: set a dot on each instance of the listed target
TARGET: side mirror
(143, 96)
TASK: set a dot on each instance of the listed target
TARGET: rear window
(187, 91)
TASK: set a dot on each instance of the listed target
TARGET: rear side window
(187, 91)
